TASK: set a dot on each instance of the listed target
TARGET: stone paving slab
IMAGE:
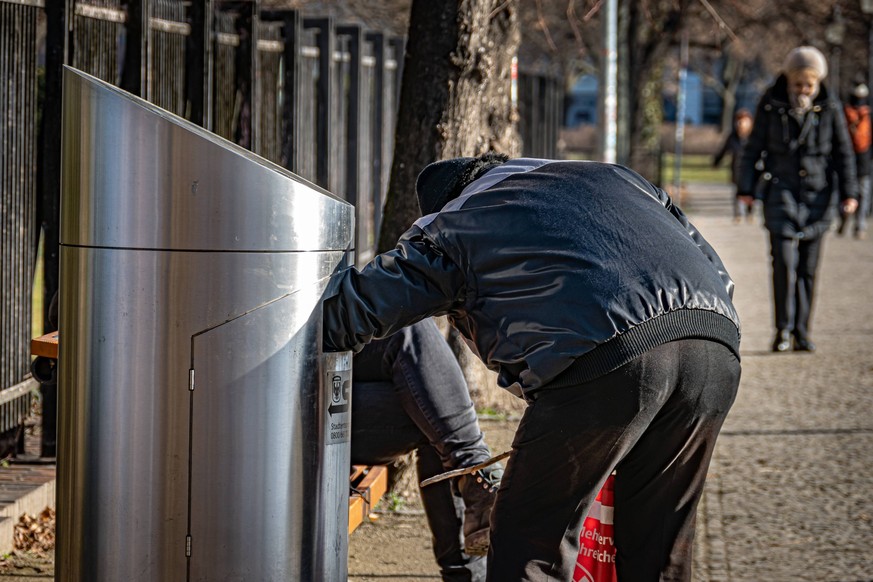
(23, 489)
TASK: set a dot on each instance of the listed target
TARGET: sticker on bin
(338, 391)
(596, 561)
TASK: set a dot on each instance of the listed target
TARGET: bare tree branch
(541, 21)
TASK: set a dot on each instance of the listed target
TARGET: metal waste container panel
(194, 410)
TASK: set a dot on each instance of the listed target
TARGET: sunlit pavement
(789, 495)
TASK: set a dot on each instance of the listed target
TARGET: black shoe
(782, 342)
(479, 490)
(803, 344)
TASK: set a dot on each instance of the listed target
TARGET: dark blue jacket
(555, 272)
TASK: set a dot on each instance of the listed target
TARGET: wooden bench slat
(368, 491)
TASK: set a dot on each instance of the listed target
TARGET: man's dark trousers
(654, 421)
(794, 263)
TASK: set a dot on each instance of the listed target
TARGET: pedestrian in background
(809, 167)
(858, 120)
(593, 298)
(733, 146)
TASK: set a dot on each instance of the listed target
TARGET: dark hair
(475, 169)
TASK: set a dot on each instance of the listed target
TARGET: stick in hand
(464, 471)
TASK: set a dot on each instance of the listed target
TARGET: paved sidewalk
(790, 492)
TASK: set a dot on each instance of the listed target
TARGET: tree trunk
(454, 97)
(648, 31)
(733, 73)
(454, 101)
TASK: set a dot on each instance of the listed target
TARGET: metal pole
(292, 31)
(49, 176)
(199, 66)
(377, 39)
(353, 120)
(870, 51)
(323, 165)
(133, 73)
(609, 95)
(680, 113)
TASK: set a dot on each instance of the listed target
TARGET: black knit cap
(443, 181)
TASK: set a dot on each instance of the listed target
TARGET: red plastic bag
(596, 561)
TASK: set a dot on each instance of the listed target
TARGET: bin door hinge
(188, 546)
(191, 380)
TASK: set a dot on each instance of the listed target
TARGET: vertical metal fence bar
(538, 113)
(377, 96)
(557, 100)
(244, 70)
(324, 99)
(339, 110)
(365, 156)
(224, 43)
(7, 197)
(49, 175)
(198, 66)
(6, 201)
(12, 212)
(544, 110)
(307, 142)
(394, 66)
(398, 44)
(135, 48)
(352, 95)
(246, 81)
(26, 166)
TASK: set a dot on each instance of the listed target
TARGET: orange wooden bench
(367, 483)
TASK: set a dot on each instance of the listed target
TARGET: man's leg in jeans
(382, 432)
(656, 420)
(430, 385)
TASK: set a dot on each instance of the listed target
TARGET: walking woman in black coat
(809, 165)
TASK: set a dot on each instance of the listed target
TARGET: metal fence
(540, 112)
(18, 191)
(315, 96)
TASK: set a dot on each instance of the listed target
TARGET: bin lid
(136, 176)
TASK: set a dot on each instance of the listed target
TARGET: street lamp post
(834, 33)
(867, 8)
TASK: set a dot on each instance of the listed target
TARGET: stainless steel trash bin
(200, 434)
